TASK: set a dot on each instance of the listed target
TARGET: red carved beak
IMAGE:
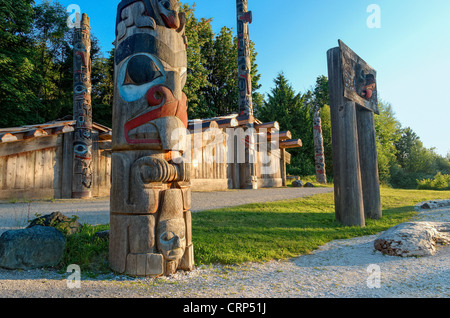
(171, 21)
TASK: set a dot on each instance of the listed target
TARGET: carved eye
(141, 70)
(166, 4)
(138, 74)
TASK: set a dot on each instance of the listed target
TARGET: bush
(400, 178)
(439, 182)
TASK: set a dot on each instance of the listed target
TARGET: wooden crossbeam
(292, 143)
(203, 125)
(272, 125)
(34, 133)
(7, 137)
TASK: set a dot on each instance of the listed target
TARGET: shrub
(439, 182)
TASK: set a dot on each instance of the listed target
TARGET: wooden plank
(29, 177)
(57, 180)
(34, 144)
(39, 170)
(108, 170)
(21, 165)
(11, 171)
(67, 168)
(357, 74)
(48, 172)
(2, 172)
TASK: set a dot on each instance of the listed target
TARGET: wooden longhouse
(36, 161)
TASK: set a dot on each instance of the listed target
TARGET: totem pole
(150, 219)
(82, 110)
(319, 148)
(248, 169)
(244, 17)
(353, 103)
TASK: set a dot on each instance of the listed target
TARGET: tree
(102, 79)
(18, 103)
(293, 113)
(200, 36)
(387, 130)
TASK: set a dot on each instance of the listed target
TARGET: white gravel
(339, 269)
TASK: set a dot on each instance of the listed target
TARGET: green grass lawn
(262, 232)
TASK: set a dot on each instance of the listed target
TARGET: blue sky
(410, 51)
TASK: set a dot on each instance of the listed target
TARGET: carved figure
(244, 17)
(150, 194)
(82, 142)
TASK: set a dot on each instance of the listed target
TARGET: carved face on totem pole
(151, 67)
(359, 79)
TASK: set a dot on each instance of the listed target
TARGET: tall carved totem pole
(82, 110)
(150, 217)
(244, 18)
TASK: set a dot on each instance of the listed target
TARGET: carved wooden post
(150, 215)
(82, 141)
(244, 17)
(319, 148)
(353, 96)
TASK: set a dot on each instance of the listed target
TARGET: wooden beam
(227, 123)
(292, 143)
(35, 133)
(203, 125)
(282, 135)
(245, 120)
(62, 129)
(106, 135)
(272, 125)
(7, 137)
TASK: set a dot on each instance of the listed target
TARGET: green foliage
(36, 61)
(387, 133)
(87, 251)
(439, 182)
(293, 113)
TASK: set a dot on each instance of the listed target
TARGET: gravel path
(339, 269)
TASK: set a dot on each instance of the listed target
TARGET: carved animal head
(168, 10)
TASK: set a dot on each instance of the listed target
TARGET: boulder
(309, 185)
(435, 204)
(413, 239)
(30, 248)
(297, 184)
(58, 220)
